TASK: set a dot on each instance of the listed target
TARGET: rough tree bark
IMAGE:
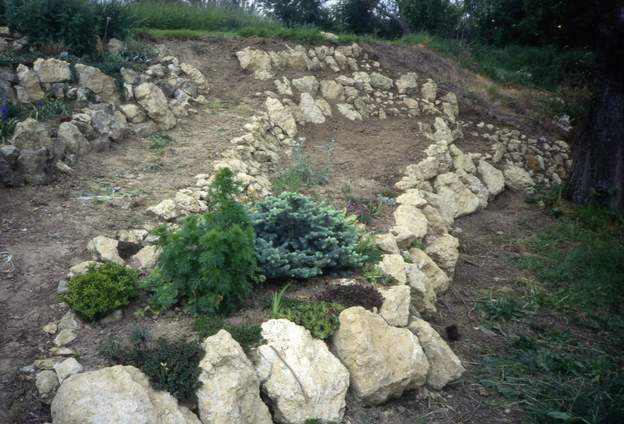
(597, 174)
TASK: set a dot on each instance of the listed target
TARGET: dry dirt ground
(45, 229)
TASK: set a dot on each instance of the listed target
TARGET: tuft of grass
(158, 141)
(301, 173)
(247, 335)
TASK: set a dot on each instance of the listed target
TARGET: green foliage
(297, 12)
(302, 173)
(75, 24)
(277, 300)
(209, 262)
(7, 128)
(297, 237)
(321, 318)
(439, 17)
(367, 249)
(48, 109)
(102, 289)
(246, 335)
(352, 295)
(159, 140)
(542, 67)
(505, 308)
(557, 378)
(373, 274)
(170, 365)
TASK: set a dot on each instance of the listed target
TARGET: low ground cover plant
(209, 262)
(170, 365)
(101, 290)
(320, 318)
(297, 237)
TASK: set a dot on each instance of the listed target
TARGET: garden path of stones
(376, 356)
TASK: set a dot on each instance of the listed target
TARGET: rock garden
(249, 291)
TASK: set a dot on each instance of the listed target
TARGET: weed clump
(170, 365)
(102, 289)
(297, 237)
(209, 262)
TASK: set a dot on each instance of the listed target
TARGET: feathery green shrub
(209, 262)
(320, 318)
(297, 237)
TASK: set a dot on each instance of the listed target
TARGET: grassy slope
(540, 67)
(564, 329)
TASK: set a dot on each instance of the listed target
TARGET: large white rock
(394, 265)
(194, 74)
(444, 250)
(75, 142)
(308, 84)
(454, 198)
(493, 178)
(380, 81)
(349, 112)
(331, 90)
(97, 81)
(387, 243)
(396, 303)
(309, 109)
(104, 249)
(230, 391)
(422, 295)
(145, 259)
(407, 83)
(445, 366)
(116, 395)
(29, 88)
(411, 218)
(257, 61)
(166, 210)
(411, 197)
(518, 178)
(429, 90)
(154, 101)
(437, 280)
(383, 361)
(299, 374)
(281, 116)
(52, 70)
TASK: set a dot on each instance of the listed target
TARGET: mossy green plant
(101, 290)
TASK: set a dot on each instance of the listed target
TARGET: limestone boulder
(46, 383)
(422, 295)
(429, 90)
(349, 112)
(300, 376)
(393, 265)
(445, 366)
(331, 90)
(230, 391)
(75, 142)
(67, 368)
(145, 259)
(493, 178)
(166, 210)
(387, 243)
(52, 70)
(437, 280)
(154, 101)
(97, 81)
(281, 116)
(383, 361)
(116, 395)
(396, 304)
(518, 179)
(412, 218)
(407, 83)
(308, 84)
(454, 198)
(411, 197)
(31, 134)
(29, 89)
(257, 61)
(310, 110)
(104, 249)
(195, 75)
(380, 81)
(444, 250)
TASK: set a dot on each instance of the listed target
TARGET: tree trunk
(597, 174)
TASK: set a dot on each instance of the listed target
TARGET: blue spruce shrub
(297, 237)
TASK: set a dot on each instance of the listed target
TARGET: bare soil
(45, 229)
